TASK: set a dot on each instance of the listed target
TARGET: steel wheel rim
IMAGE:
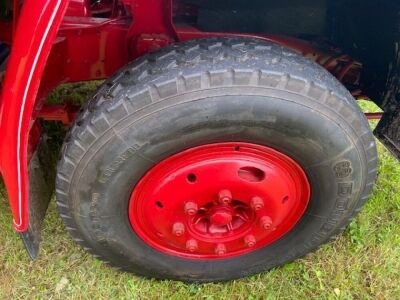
(219, 201)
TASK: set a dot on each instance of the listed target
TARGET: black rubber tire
(206, 91)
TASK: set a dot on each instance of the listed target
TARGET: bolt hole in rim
(219, 200)
(191, 178)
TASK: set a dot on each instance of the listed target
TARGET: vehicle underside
(83, 40)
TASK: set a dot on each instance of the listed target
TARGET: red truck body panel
(33, 41)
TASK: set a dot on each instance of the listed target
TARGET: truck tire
(214, 159)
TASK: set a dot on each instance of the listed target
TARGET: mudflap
(388, 131)
(41, 178)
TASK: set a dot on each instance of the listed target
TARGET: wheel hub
(221, 217)
(214, 218)
(219, 200)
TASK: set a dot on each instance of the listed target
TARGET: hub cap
(219, 200)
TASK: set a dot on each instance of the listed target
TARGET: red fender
(36, 30)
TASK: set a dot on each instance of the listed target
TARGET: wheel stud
(178, 229)
(266, 222)
(257, 203)
(250, 240)
(225, 196)
(191, 208)
(220, 249)
(191, 245)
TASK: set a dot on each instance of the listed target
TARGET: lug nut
(225, 196)
(257, 203)
(266, 222)
(191, 245)
(220, 249)
(178, 229)
(250, 240)
(191, 208)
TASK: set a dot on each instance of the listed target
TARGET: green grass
(362, 263)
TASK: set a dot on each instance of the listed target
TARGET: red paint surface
(31, 47)
(223, 199)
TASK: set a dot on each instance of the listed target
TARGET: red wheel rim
(219, 200)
